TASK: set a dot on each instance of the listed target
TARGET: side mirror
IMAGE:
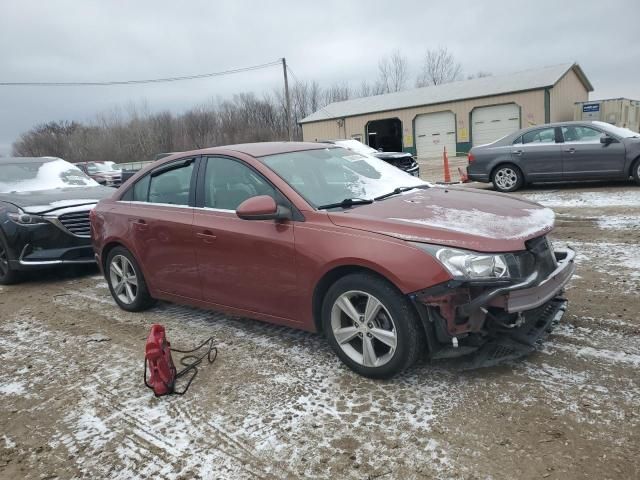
(606, 139)
(262, 207)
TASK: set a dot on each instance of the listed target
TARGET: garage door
(434, 131)
(491, 123)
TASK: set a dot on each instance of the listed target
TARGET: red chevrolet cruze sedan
(316, 237)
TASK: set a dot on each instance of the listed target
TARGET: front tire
(507, 178)
(635, 171)
(126, 281)
(8, 276)
(371, 326)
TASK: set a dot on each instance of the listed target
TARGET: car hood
(458, 217)
(44, 201)
(392, 155)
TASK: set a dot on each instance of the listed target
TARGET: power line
(324, 110)
(139, 82)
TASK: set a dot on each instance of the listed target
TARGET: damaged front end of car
(497, 306)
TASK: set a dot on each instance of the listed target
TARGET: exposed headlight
(467, 264)
(22, 218)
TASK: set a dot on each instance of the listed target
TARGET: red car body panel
(270, 270)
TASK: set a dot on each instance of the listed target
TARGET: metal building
(621, 112)
(456, 115)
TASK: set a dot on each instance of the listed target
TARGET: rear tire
(8, 276)
(371, 326)
(126, 282)
(507, 178)
(635, 171)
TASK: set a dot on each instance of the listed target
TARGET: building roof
(448, 92)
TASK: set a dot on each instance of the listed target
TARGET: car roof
(560, 124)
(260, 149)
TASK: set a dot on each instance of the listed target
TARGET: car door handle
(206, 236)
(570, 150)
(519, 152)
(139, 224)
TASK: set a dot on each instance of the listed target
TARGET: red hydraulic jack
(162, 373)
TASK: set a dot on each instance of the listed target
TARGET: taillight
(470, 157)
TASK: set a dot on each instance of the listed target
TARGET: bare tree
(439, 66)
(365, 89)
(393, 73)
(337, 92)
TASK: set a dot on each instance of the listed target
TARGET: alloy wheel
(363, 328)
(4, 262)
(124, 280)
(506, 178)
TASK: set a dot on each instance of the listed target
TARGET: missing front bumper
(521, 341)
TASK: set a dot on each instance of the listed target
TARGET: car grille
(77, 223)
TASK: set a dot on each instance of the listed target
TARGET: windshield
(332, 175)
(42, 174)
(619, 131)
(106, 167)
(356, 146)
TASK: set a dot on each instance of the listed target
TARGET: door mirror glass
(606, 139)
(262, 207)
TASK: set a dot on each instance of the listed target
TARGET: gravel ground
(278, 404)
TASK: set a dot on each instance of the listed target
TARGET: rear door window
(542, 136)
(171, 184)
(141, 190)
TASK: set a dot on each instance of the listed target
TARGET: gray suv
(557, 152)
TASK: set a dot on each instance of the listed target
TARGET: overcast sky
(91, 40)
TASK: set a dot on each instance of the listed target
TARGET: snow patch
(50, 175)
(619, 222)
(568, 199)
(8, 443)
(12, 388)
(486, 224)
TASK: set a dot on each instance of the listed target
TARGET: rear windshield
(44, 174)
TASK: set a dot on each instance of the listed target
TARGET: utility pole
(286, 94)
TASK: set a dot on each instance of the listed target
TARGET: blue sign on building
(593, 107)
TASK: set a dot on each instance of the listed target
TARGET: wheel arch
(633, 165)
(504, 163)
(333, 275)
(105, 253)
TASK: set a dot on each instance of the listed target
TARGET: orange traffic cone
(447, 173)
